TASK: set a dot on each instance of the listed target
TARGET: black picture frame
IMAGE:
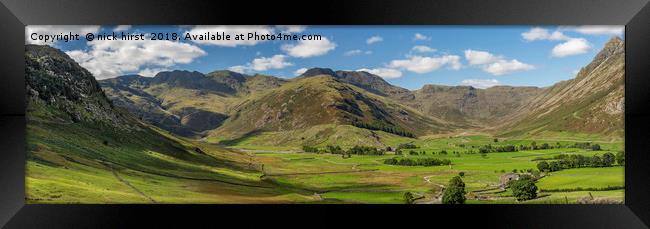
(635, 14)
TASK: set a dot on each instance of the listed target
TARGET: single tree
(455, 192)
(543, 166)
(620, 157)
(608, 159)
(524, 188)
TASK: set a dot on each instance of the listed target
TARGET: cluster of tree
(358, 150)
(383, 127)
(406, 146)
(454, 193)
(310, 149)
(365, 150)
(524, 188)
(490, 149)
(579, 161)
(417, 161)
(334, 149)
(586, 145)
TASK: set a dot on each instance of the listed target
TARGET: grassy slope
(322, 106)
(68, 163)
(590, 104)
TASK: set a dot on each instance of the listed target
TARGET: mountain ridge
(462, 106)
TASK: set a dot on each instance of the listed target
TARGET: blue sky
(407, 56)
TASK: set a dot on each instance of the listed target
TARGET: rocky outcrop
(66, 90)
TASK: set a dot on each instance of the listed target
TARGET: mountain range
(227, 106)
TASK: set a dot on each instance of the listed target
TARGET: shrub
(595, 147)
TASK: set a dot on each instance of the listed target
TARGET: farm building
(505, 178)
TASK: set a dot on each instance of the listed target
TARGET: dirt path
(575, 115)
(193, 178)
(129, 184)
(428, 180)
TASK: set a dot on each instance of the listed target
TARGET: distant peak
(318, 71)
(614, 46)
(615, 40)
(130, 76)
(177, 72)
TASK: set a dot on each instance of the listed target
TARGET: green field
(69, 163)
(366, 179)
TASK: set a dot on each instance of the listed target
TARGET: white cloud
(300, 71)
(229, 30)
(309, 48)
(423, 64)
(420, 37)
(356, 52)
(239, 69)
(538, 33)
(151, 72)
(374, 39)
(480, 57)
(613, 30)
(353, 52)
(266, 63)
(56, 30)
(571, 47)
(480, 83)
(291, 28)
(386, 73)
(106, 59)
(423, 48)
(263, 64)
(502, 67)
(121, 28)
(493, 64)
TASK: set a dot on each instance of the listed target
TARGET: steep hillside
(592, 103)
(466, 104)
(80, 148)
(362, 79)
(323, 100)
(463, 104)
(185, 103)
